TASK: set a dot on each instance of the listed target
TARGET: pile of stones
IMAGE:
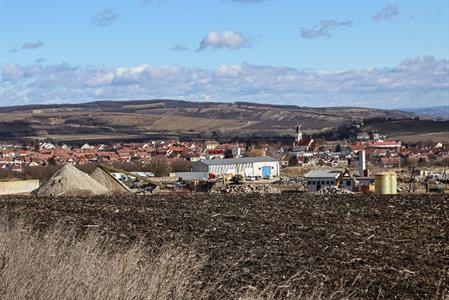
(290, 180)
(333, 190)
(246, 189)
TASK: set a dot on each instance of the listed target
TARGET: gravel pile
(290, 180)
(69, 181)
(246, 189)
(107, 180)
(333, 190)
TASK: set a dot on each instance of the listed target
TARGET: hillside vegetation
(133, 119)
(414, 130)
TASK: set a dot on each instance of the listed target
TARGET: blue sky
(315, 53)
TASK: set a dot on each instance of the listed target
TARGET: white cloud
(32, 70)
(226, 39)
(104, 17)
(179, 48)
(32, 45)
(420, 81)
(11, 72)
(224, 70)
(100, 79)
(387, 13)
(325, 28)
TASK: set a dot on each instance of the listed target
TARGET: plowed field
(364, 246)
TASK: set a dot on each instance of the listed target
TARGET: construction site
(367, 166)
(103, 179)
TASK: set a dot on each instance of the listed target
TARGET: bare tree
(159, 165)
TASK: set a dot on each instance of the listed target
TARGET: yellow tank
(393, 183)
(382, 183)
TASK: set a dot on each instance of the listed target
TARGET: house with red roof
(304, 144)
(395, 145)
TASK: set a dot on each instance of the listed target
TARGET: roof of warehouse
(191, 175)
(323, 174)
(233, 161)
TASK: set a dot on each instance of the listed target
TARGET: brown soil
(373, 246)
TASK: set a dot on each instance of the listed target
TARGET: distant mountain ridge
(113, 105)
(137, 118)
(437, 112)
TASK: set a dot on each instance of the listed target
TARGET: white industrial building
(318, 179)
(261, 166)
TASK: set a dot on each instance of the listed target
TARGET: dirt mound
(107, 180)
(69, 181)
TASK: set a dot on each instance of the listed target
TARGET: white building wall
(244, 169)
(18, 187)
(231, 168)
(312, 183)
(274, 168)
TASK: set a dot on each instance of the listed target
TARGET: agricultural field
(273, 246)
(412, 130)
(150, 119)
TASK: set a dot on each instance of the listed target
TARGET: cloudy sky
(314, 53)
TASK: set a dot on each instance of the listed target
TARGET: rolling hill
(414, 130)
(120, 120)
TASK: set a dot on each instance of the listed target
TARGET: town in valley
(304, 165)
(224, 149)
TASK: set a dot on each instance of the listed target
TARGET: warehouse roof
(191, 175)
(233, 161)
(323, 174)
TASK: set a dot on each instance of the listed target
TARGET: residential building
(210, 145)
(362, 136)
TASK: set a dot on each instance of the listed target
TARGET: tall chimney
(362, 163)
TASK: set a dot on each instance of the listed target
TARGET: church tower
(298, 132)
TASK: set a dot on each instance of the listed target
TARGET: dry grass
(294, 171)
(57, 266)
(429, 138)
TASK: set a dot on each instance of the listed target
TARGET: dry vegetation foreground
(221, 246)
